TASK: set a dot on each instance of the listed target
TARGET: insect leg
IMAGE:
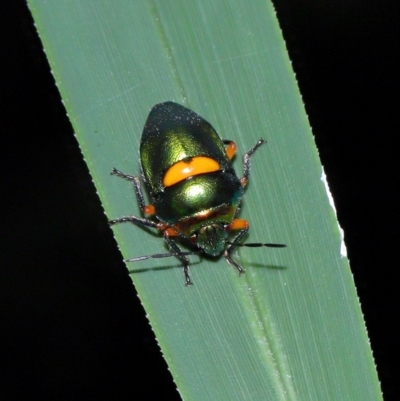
(122, 175)
(243, 226)
(246, 162)
(135, 220)
(146, 209)
(139, 193)
(173, 247)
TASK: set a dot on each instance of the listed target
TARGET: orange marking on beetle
(239, 224)
(231, 149)
(149, 210)
(184, 169)
(170, 232)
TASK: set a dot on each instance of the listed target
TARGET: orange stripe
(184, 169)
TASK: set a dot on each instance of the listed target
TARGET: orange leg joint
(170, 232)
(149, 210)
(239, 224)
(231, 149)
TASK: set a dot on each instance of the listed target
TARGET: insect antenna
(169, 255)
(258, 245)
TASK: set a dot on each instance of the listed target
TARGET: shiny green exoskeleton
(194, 191)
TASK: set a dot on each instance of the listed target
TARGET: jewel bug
(195, 193)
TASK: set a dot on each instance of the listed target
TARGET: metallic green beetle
(195, 193)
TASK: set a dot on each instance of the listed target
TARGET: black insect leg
(246, 161)
(139, 195)
(122, 175)
(136, 185)
(135, 220)
(231, 247)
(173, 247)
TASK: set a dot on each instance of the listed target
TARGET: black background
(71, 324)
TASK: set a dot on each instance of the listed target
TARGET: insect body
(195, 193)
